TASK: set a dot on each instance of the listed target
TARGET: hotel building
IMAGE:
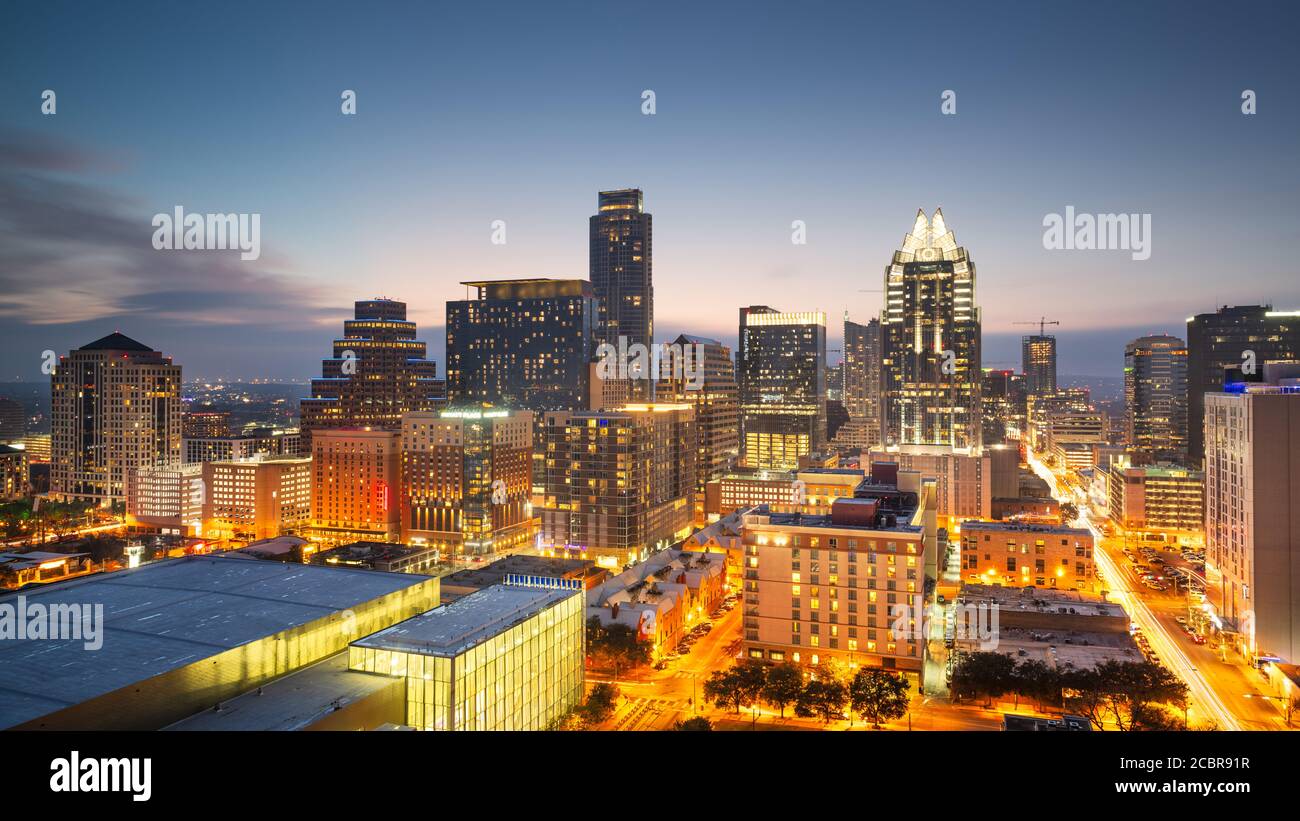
(467, 480)
(1161, 498)
(1252, 511)
(931, 377)
(781, 377)
(356, 474)
(115, 408)
(259, 498)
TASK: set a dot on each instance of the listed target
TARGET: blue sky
(766, 113)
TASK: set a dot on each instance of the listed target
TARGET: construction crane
(1042, 324)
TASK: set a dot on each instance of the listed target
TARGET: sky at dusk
(765, 113)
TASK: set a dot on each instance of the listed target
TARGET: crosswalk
(642, 712)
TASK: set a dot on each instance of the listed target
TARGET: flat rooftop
(825, 520)
(167, 615)
(495, 572)
(453, 628)
(1040, 600)
(1025, 527)
(291, 702)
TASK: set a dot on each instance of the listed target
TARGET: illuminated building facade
(715, 398)
(377, 372)
(1155, 399)
(13, 421)
(13, 473)
(524, 343)
(1038, 360)
(166, 499)
(781, 377)
(619, 485)
(1158, 498)
(467, 480)
(1220, 340)
(1027, 555)
(784, 491)
(931, 377)
(621, 267)
(115, 408)
(861, 367)
(507, 657)
(259, 498)
(356, 475)
(205, 424)
(964, 480)
(268, 442)
(818, 587)
(1252, 511)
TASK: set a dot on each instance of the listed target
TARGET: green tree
(822, 697)
(1125, 692)
(697, 724)
(600, 704)
(784, 683)
(751, 674)
(616, 645)
(983, 674)
(1036, 680)
(725, 689)
(877, 695)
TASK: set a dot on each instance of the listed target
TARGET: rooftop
(453, 628)
(1026, 527)
(167, 615)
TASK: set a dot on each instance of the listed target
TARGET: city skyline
(403, 196)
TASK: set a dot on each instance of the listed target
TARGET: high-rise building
(115, 408)
(931, 341)
(13, 473)
(467, 480)
(621, 267)
(1155, 399)
(1159, 498)
(205, 424)
(715, 397)
(356, 477)
(259, 441)
(1252, 511)
(1038, 360)
(619, 485)
(1245, 335)
(167, 499)
(377, 373)
(781, 376)
(861, 369)
(1002, 406)
(258, 498)
(13, 421)
(523, 343)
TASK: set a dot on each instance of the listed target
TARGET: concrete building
(621, 268)
(818, 587)
(168, 500)
(259, 498)
(262, 442)
(466, 486)
(13, 473)
(1159, 498)
(356, 475)
(463, 582)
(1028, 555)
(1252, 512)
(811, 490)
(1155, 399)
(384, 557)
(781, 376)
(115, 408)
(964, 479)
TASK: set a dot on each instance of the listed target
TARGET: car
(1198, 638)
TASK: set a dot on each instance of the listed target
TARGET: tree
(751, 677)
(1069, 512)
(877, 695)
(1124, 691)
(983, 674)
(724, 689)
(1036, 680)
(784, 683)
(616, 644)
(697, 724)
(600, 704)
(822, 697)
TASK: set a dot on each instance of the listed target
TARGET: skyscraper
(377, 373)
(931, 341)
(715, 398)
(1155, 399)
(1038, 357)
(1220, 340)
(621, 270)
(861, 385)
(356, 475)
(781, 375)
(522, 343)
(115, 408)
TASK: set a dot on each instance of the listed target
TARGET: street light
(1286, 702)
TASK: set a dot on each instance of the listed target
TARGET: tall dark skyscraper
(377, 373)
(1155, 399)
(526, 344)
(621, 270)
(862, 369)
(1219, 340)
(931, 341)
(781, 373)
(1038, 358)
